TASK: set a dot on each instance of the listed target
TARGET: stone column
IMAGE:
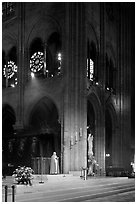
(6, 71)
(118, 86)
(125, 84)
(74, 95)
(21, 62)
(102, 82)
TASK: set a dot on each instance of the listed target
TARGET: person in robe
(54, 164)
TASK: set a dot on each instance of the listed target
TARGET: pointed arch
(44, 111)
(31, 106)
(112, 125)
(43, 31)
(99, 130)
(112, 111)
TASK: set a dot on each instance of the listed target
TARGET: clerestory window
(8, 9)
(10, 68)
(90, 69)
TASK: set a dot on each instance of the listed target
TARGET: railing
(41, 165)
(9, 190)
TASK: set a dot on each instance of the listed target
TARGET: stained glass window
(90, 69)
(37, 62)
(8, 9)
(11, 70)
(59, 63)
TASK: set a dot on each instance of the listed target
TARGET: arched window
(90, 69)
(37, 62)
(45, 59)
(10, 68)
(91, 58)
(37, 57)
(54, 55)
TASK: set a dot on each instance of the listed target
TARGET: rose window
(10, 70)
(37, 61)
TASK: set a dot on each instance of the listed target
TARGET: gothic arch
(44, 121)
(36, 45)
(33, 103)
(92, 36)
(44, 109)
(99, 131)
(113, 114)
(43, 31)
(111, 125)
(94, 100)
(92, 49)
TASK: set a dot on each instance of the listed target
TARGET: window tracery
(10, 70)
(37, 62)
(90, 69)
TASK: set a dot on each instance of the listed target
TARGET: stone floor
(69, 188)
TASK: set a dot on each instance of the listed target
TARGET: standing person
(54, 164)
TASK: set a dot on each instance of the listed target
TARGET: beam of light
(32, 75)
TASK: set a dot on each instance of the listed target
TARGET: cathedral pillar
(125, 86)
(101, 144)
(21, 67)
(6, 71)
(75, 136)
